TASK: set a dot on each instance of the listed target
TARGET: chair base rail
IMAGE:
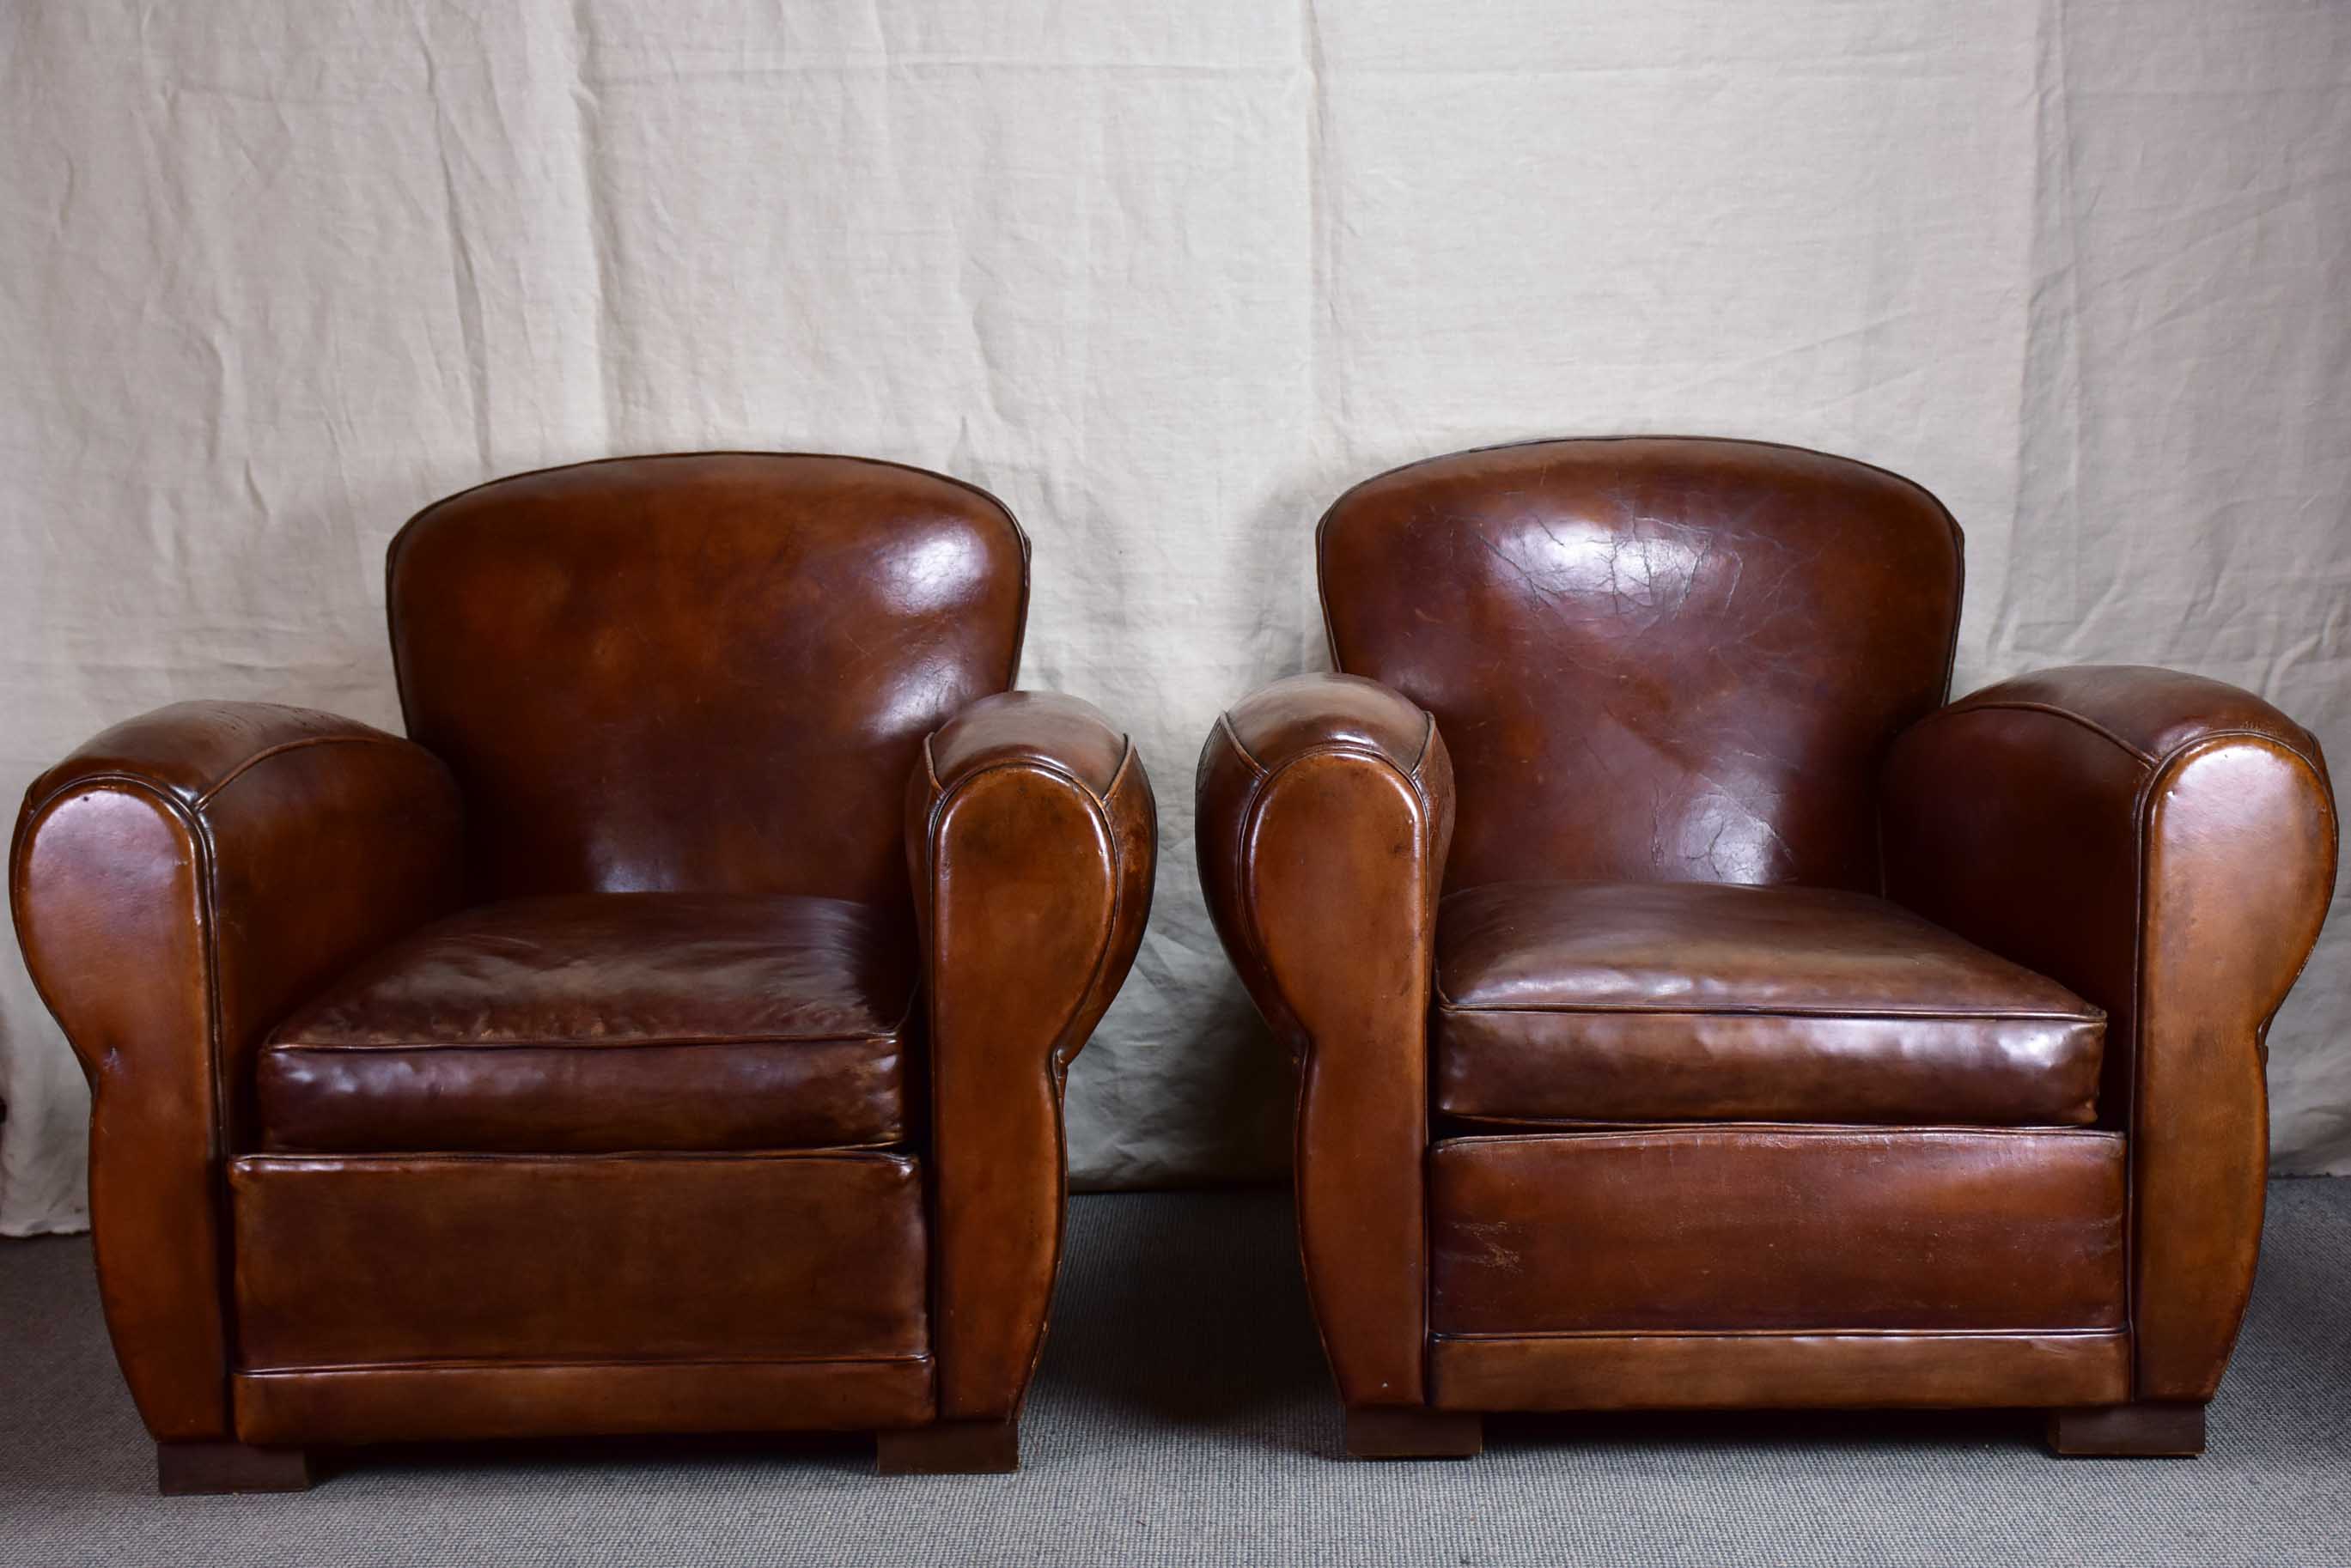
(195, 1469)
(1398, 1432)
(2151, 1429)
(949, 1449)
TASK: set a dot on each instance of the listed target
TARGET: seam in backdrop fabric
(1166, 279)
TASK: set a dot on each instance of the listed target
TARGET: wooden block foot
(950, 1449)
(1396, 1432)
(2150, 1430)
(192, 1470)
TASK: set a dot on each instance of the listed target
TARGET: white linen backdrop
(1167, 278)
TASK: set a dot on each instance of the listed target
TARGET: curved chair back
(1652, 658)
(704, 672)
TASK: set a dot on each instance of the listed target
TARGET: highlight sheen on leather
(667, 1037)
(1785, 1033)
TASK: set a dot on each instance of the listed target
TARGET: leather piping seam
(1252, 808)
(587, 1363)
(1711, 1333)
(1532, 1124)
(1225, 723)
(2018, 705)
(1956, 534)
(1823, 1015)
(392, 550)
(1057, 1062)
(1677, 1131)
(2143, 810)
(2153, 759)
(190, 823)
(272, 1149)
(398, 742)
(1344, 748)
(196, 799)
(660, 1042)
(271, 1160)
(1037, 762)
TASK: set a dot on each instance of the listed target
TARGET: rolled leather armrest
(2165, 845)
(179, 882)
(1325, 812)
(1032, 837)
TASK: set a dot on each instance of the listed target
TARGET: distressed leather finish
(1652, 658)
(2166, 845)
(710, 672)
(1975, 1117)
(1769, 1228)
(1033, 839)
(606, 1021)
(1325, 806)
(1925, 1371)
(178, 884)
(522, 1068)
(1661, 1001)
(746, 1258)
(449, 1402)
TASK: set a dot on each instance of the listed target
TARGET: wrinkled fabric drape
(1166, 279)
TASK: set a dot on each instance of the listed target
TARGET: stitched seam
(2142, 812)
(1056, 1063)
(2090, 1331)
(1050, 767)
(2017, 705)
(258, 758)
(351, 1368)
(1118, 774)
(1572, 1009)
(389, 1159)
(1790, 1129)
(1252, 810)
(651, 1043)
(2207, 737)
(1224, 721)
(1536, 1123)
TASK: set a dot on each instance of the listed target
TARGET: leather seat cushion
(1659, 1001)
(605, 1023)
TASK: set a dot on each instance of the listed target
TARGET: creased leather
(606, 1021)
(1651, 658)
(707, 672)
(1659, 1002)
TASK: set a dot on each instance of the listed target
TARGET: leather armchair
(669, 1037)
(1698, 1009)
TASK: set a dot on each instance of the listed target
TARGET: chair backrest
(710, 671)
(1650, 658)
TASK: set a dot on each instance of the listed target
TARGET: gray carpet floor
(1183, 1417)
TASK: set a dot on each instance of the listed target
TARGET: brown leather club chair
(668, 1037)
(1696, 1009)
